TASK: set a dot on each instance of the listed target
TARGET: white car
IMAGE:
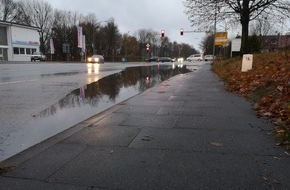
(96, 59)
(38, 56)
(208, 57)
(195, 57)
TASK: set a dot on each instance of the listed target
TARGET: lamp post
(214, 29)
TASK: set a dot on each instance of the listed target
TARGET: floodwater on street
(87, 101)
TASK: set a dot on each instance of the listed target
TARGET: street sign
(65, 48)
(236, 44)
(221, 39)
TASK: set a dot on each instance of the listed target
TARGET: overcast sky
(132, 15)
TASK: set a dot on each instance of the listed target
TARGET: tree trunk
(245, 20)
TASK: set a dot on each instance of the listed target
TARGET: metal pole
(214, 30)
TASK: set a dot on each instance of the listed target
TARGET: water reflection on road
(87, 101)
(114, 88)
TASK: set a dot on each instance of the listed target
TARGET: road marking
(20, 81)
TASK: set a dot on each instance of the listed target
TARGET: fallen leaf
(280, 88)
(216, 144)
(267, 114)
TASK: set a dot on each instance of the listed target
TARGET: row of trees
(234, 12)
(102, 37)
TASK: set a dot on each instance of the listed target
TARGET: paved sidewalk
(187, 133)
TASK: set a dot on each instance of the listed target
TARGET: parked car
(195, 57)
(96, 59)
(208, 57)
(154, 59)
(165, 59)
(38, 56)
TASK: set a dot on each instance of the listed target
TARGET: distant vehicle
(96, 59)
(165, 59)
(154, 59)
(38, 56)
(208, 57)
(180, 59)
(195, 57)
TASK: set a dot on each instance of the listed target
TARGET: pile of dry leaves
(267, 85)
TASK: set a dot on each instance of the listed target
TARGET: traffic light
(162, 33)
(181, 31)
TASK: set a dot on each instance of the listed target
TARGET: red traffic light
(181, 32)
(162, 33)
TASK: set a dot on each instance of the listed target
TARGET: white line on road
(20, 81)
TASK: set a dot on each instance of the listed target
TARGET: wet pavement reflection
(86, 102)
(113, 89)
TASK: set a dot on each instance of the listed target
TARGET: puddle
(111, 90)
(88, 101)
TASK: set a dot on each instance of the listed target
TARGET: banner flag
(80, 37)
(51, 46)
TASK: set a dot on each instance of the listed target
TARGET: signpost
(147, 50)
(247, 62)
(221, 39)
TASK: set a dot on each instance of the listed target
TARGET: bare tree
(207, 43)
(234, 11)
(8, 10)
(41, 16)
(111, 38)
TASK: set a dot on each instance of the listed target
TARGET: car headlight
(89, 59)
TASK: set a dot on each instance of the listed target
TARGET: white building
(17, 42)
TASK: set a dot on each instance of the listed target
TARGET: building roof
(18, 25)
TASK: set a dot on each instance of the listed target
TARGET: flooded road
(97, 94)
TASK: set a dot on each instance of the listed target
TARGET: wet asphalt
(185, 133)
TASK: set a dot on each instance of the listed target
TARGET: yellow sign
(221, 38)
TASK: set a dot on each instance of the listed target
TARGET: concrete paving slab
(8, 183)
(160, 169)
(169, 110)
(206, 140)
(43, 165)
(104, 136)
(143, 101)
(147, 109)
(112, 119)
(149, 120)
(238, 123)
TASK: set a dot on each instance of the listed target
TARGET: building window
(28, 51)
(22, 51)
(33, 50)
(16, 50)
(3, 36)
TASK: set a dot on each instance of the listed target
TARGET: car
(180, 59)
(96, 59)
(208, 57)
(154, 59)
(195, 57)
(165, 59)
(38, 56)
